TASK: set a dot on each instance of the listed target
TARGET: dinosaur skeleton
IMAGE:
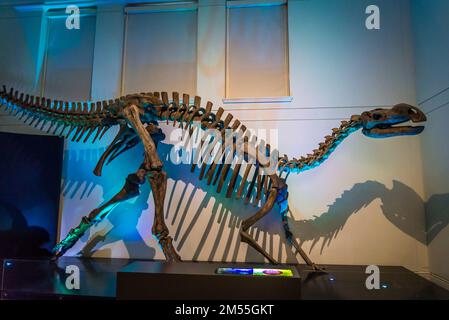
(138, 115)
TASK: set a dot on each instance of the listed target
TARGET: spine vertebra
(58, 117)
(325, 148)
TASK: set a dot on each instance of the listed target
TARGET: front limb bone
(132, 114)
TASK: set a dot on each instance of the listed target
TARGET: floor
(42, 279)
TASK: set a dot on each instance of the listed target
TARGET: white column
(211, 59)
(107, 66)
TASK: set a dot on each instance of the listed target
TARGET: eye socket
(377, 116)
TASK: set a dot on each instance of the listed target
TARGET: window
(160, 50)
(69, 59)
(257, 51)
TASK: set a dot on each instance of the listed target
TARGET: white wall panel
(160, 52)
(257, 48)
(69, 59)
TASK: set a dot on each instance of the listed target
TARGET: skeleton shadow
(215, 243)
(82, 179)
(437, 215)
(79, 183)
(401, 205)
(18, 238)
(132, 240)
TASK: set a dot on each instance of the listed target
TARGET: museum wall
(365, 205)
(431, 29)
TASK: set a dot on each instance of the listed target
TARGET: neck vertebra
(325, 148)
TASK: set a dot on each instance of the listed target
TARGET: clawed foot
(169, 251)
(317, 268)
(60, 249)
(54, 258)
(71, 238)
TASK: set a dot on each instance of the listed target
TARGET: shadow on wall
(81, 182)
(402, 206)
(80, 185)
(17, 238)
(437, 215)
(134, 243)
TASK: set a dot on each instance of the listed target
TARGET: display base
(105, 278)
(199, 281)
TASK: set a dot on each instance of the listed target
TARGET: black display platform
(41, 278)
(101, 278)
(199, 281)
